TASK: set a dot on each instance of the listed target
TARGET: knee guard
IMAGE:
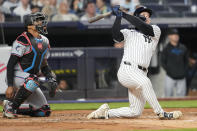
(44, 111)
(31, 83)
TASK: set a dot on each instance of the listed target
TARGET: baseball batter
(139, 46)
(28, 58)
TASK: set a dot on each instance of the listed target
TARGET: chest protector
(31, 61)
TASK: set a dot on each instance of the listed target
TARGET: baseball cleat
(8, 112)
(170, 115)
(100, 113)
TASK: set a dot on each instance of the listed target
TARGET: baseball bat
(98, 17)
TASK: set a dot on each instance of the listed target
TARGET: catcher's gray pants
(37, 98)
(175, 87)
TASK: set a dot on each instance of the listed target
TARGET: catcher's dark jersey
(31, 51)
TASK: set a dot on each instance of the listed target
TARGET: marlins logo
(40, 46)
(18, 47)
(39, 43)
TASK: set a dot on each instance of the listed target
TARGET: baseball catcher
(29, 58)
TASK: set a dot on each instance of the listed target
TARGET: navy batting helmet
(142, 9)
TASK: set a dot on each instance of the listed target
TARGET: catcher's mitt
(51, 85)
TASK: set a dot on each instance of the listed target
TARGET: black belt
(140, 67)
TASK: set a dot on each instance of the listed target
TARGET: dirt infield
(76, 120)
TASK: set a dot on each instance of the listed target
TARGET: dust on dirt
(76, 120)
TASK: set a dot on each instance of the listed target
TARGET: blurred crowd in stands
(75, 10)
(60, 10)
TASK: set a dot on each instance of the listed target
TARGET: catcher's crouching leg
(30, 85)
(44, 111)
(27, 109)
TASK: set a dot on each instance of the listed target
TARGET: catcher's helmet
(30, 19)
(142, 9)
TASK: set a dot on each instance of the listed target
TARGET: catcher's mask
(39, 20)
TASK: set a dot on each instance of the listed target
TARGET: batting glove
(142, 18)
(116, 11)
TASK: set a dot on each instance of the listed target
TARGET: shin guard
(25, 91)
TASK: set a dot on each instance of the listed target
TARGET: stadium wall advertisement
(87, 72)
(4, 56)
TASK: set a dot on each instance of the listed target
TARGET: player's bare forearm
(44, 63)
(45, 69)
(51, 78)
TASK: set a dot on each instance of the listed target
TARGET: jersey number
(147, 38)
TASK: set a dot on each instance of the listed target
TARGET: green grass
(93, 106)
(178, 104)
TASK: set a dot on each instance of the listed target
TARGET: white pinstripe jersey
(139, 48)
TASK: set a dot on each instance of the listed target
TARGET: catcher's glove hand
(51, 85)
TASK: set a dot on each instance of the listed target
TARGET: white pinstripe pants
(140, 90)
